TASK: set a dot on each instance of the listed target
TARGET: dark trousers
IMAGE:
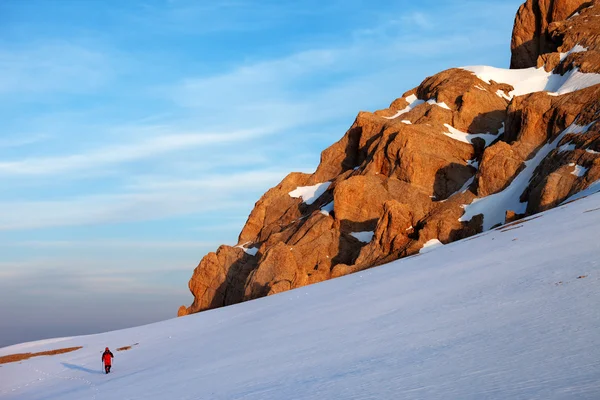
(107, 368)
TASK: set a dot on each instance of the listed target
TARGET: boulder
(306, 258)
(391, 236)
(350, 151)
(219, 279)
(274, 211)
(499, 166)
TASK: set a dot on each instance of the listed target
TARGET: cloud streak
(22, 141)
(110, 244)
(52, 67)
(149, 198)
(123, 153)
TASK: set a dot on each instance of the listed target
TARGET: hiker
(107, 357)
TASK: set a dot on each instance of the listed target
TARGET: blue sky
(138, 135)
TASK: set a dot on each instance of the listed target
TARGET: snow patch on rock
(502, 93)
(310, 194)
(578, 171)
(434, 102)
(576, 49)
(364, 236)
(469, 137)
(413, 101)
(430, 245)
(327, 208)
(251, 251)
(570, 82)
(566, 147)
(494, 207)
(530, 80)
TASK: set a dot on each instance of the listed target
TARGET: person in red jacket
(107, 357)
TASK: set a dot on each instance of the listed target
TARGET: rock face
(403, 176)
(532, 30)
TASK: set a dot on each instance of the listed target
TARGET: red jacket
(107, 357)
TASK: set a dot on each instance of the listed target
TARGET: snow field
(508, 314)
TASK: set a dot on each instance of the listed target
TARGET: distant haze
(55, 310)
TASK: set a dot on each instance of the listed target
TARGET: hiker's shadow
(80, 368)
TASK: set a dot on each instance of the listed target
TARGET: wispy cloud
(52, 67)
(419, 19)
(104, 209)
(408, 24)
(148, 198)
(22, 141)
(121, 153)
(238, 181)
(210, 18)
(322, 83)
(108, 244)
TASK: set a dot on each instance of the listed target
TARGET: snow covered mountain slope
(509, 314)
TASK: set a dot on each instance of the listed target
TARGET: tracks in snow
(47, 376)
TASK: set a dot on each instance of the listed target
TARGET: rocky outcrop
(219, 279)
(274, 210)
(574, 164)
(532, 32)
(405, 175)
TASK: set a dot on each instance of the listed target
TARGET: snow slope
(502, 315)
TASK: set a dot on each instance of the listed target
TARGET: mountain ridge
(457, 155)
